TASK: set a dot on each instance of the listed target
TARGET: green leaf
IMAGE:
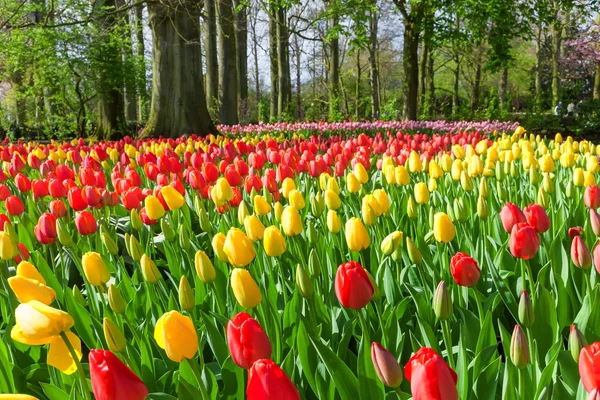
(487, 382)
(215, 339)
(233, 380)
(345, 381)
(369, 383)
(83, 320)
(53, 392)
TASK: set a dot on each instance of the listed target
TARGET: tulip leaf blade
(369, 383)
(233, 380)
(53, 392)
(310, 364)
(504, 291)
(82, 319)
(215, 340)
(485, 384)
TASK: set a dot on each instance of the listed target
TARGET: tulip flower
(591, 197)
(204, 267)
(353, 287)
(391, 242)
(519, 348)
(30, 289)
(247, 340)
(96, 271)
(59, 355)
(26, 269)
(510, 215)
(430, 377)
(357, 237)
(14, 205)
(244, 288)
(238, 248)
(386, 366)
(274, 242)
(332, 200)
(267, 380)
(580, 253)
(186, 294)
(175, 333)
(261, 206)
(154, 208)
(524, 241)
(150, 272)
(421, 193)
(113, 380)
(576, 342)
(37, 323)
(254, 228)
(464, 269)
(443, 229)
(352, 183)
(536, 217)
(218, 243)
(442, 302)
(172, 197)
(85, 223)
(8, 249)
(291, 221)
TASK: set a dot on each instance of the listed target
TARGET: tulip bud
(186, 294)
(12, 233)
(484, 189)
(242, 212)
(411, 209)
(387, 367)
(391, 242)
(548, 184)
(501, 190)
(204, 267)
(167, 230)
(519, 348)
(466, 182)
(460, 212)
(431, 218)
(184, 238)
(115, 300)
(94, 268)
(570, 190)
(78, 296)
(244, 288)
(278, 210)
(135, 250)
(149, 270)
(397, 255)
(442, 302)
(499, 170)
(542, 198)
(109, 244)
(534, 176)
(576, 342)
(114, 337)
(314, 265)
(311, 233)
(580, 254)
(317, 205)
(136, 221)
(8, 248)
(305, 285)
(514, 172)
(483, 210)
(413, 252)
(204, 221)
(218, 242)
(526, 311)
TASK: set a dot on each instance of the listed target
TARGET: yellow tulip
(204, 267)
(457, 169)
(291, 221)
(578, 177)
(254, 228)
(324, 180)
(261, 206)
(588, 179)
(175, 333)
(368, 215)
(223, 191)
(475, 166)
(371, 200)
(481, 147)
(466, 182)
(95, 269)
(591, 165)
(332, 184)
(287, 186)
(238, 248)
(361, 173)
(274, 242)
(443, 229)
(383, 200)
(389, 172)
(17, 397)
(352, 183)
(30, 289)
(37, 323)
(244, 288)
(402, 176)
(154, 207)
(278, 211)
(414, 162)
(432, 185)
(391, 242)
(60, 357)
(114, 336)
(334, 225)
(421, 193)
(150, 272)
(218, 242)
(458, 151)
(186, 294)
(296, 199)
(435, 171)
(172, 197)
(28, 270)
(546, 163)
(8, 249)
(357, 237)
(332, 200)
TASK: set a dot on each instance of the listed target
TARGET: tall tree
(274, 60)
(241, 43)
(334, 57)
(178, 104)
(284, 85)
(212, 61)
(373, 67)
(141, 68)
(228, 87)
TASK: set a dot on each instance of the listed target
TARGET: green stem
(522, 384)
(82, 378)
(448, 342)
(479, 307)
(398, 391)
(194, 368)
(364, 326)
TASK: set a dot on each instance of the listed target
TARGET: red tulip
(589, 367)
(597, 258)
(113, 380)
(22, 183)
(353, 287)
(22, 254)
(4, 192)
(430, 377)
(464, 269)
(85, 223)
(247, 340)
(580, 254)
(57, 207)
(47, 224)
(575, 231)
(130, 200)
(591, 197)
(387, 367)
(3, 220)
(76, 201)
(56, 189)
(537, 217)
(14, 206)
(145, 218)
(91, 195)
(41, 237)
(268, 381)
(524, 241)
(510, 216)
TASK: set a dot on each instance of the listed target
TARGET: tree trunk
(373, 70)
(111, 105)
(129, 92)
(283, 63)
(431, 84)
(423, 75)
(455, 94)
(411, 70)
(212, 60)
(476, 84)
(274, 58)
(556, 83)
(256, 70)
(141, 78)
(538, 72)
(504, 87)
(334, 70)
(298, 80)
(228, 88)
(241, 42)
(357, 93)
(178, 104)
(597, 83)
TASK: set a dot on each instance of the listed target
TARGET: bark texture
(228, 87)
(212, 61)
